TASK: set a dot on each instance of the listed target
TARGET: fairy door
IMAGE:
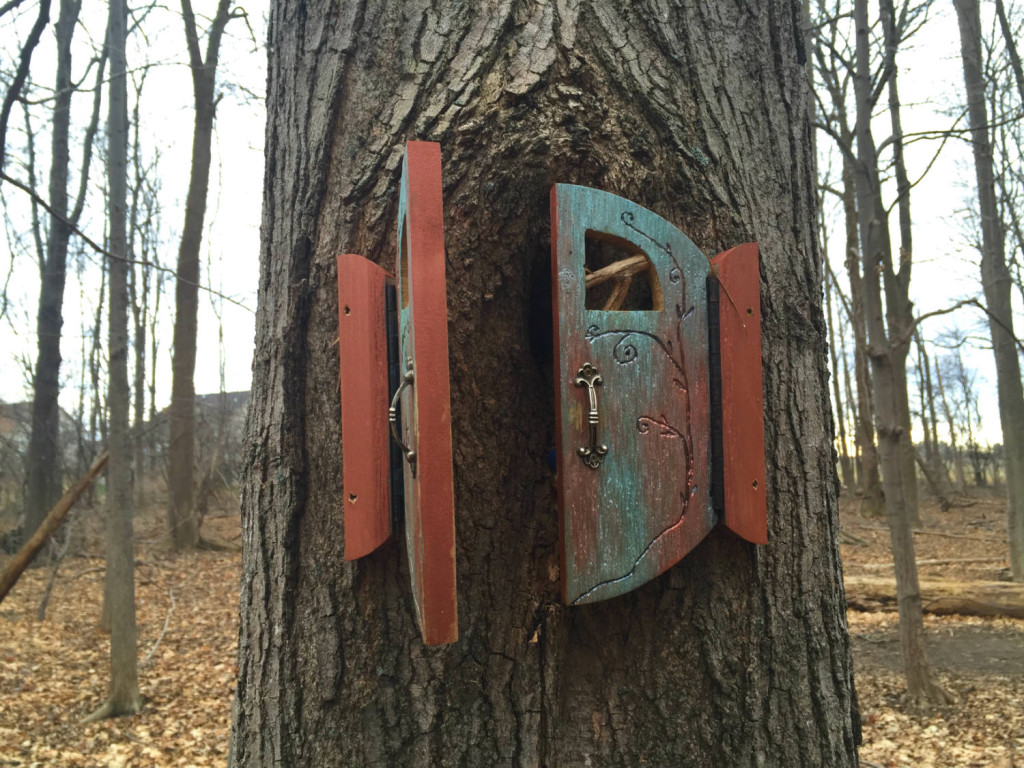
(631, 331)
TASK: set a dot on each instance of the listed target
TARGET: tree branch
(10, 6)
(958, 305)
(22, 74)
(107, 254)
(1011, 48)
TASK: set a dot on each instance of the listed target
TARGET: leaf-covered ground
(53, 673)
(979, 660)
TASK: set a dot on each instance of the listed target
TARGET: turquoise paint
(622, 522)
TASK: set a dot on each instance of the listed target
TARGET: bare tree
(929, 423)
(996, 283)
(895, 29)
(963, 381)
(184, 528)
(845, 466)
(890, 326)
(44, 454)
(21, 75)
(124, 695)
(953, 428)
(834, 68)
(143, 224)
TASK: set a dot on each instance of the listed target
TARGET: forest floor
(980, 661)
(53, 673)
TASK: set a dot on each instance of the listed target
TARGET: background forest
(131, 164)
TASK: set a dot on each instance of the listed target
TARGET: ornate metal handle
(588, 377)
(407, 380)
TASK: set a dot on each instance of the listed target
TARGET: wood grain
(363, 375)
(426, 406)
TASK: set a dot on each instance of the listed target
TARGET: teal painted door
(631, 393)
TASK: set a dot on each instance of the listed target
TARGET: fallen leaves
(979, 660)
(55, 672)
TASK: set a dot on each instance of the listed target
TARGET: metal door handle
(407, 380)
(592, 455)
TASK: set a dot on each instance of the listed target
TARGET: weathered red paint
(648, 503)
(746, 506)
(362, 352)
(426, 405)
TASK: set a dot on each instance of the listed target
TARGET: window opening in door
(619, 276)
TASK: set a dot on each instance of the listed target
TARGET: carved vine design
(625, 353)
(676, 273)
(645, 423)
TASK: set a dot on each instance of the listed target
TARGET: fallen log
(944, 561)
(923, 532)
(52, 522)
(940, 596)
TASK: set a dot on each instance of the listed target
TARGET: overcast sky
(230, 253)
(945, 268)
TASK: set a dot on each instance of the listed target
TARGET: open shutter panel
(362, 352)
(745, 506)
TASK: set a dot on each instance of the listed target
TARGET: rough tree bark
(699, 110)
(184, 528)
(123, 697)
(43, 462)
(995, 281)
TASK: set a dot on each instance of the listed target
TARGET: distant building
(15, 433)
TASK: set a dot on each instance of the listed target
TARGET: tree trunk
(870, 481)
(699, 110)
(958, 458)
(933, 469)
(1011, 48)
(44, 460)
(181, 487)
(844, 455)
(120, 582)
(138, 293)
(51, 523)
(853, 416)
(899, 309)
(17, 82)
(888, 373)
(995, 280)
(941, 596)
